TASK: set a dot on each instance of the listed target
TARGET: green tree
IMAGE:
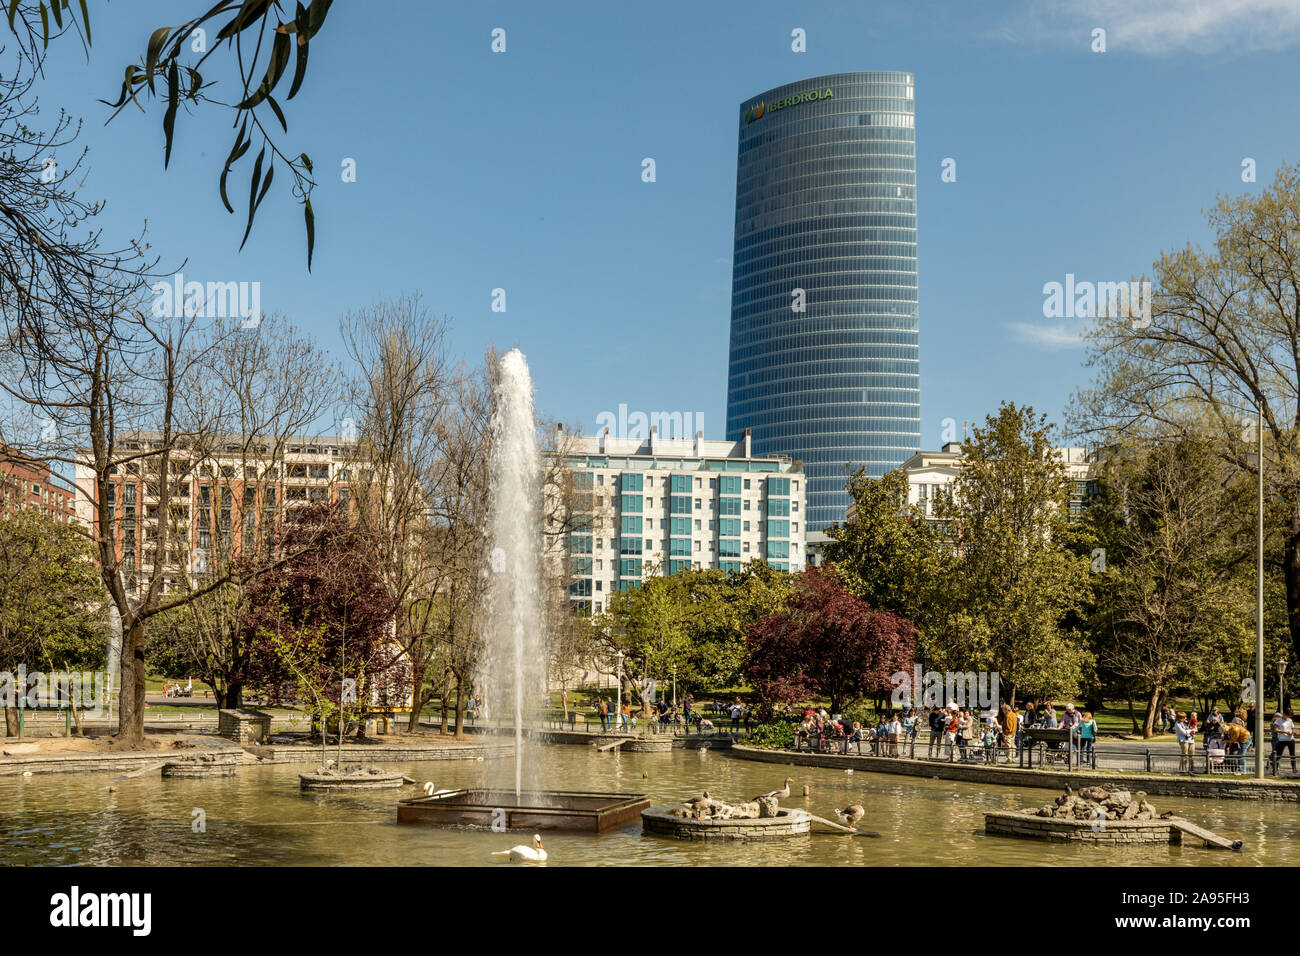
(1013, 586)
(887, 553)
(52, 605)
(696, 621)
(1222, 340)
(1178, 588)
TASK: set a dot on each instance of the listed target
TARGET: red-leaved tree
(321, 622)
(827, 643)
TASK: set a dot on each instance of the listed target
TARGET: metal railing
(1042, 755)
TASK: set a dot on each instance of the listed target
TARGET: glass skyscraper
(825, 351)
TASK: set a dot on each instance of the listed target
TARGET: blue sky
(522, 170)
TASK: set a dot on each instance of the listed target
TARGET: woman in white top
(1186, 743)
(1283, 739)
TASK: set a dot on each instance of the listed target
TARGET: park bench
(1053, 754)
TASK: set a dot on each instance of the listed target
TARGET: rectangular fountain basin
(533, 810)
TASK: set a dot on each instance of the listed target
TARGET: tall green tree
(1007, 600)
(1222, 340)
(887, 553)
(1177, 592)
(53, 609)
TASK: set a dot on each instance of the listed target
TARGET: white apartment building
(930, 475)
(659, 506)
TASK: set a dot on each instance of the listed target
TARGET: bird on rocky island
(851, 815)
(698, 805)
(779, 794)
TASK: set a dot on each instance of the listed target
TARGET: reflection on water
(260, 817)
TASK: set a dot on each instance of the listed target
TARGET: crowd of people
(663, 717)
(955, 732)
(964, 733)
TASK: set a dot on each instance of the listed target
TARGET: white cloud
(1157, 27)
(1052, 338)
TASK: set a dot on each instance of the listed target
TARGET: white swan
(525, 854)
(430, 792)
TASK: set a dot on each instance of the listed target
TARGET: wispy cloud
(1052, 338)
(1156, 27)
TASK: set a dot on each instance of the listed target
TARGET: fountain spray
(515, 670)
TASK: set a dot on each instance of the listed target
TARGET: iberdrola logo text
(760, 109)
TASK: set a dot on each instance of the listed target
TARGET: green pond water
(260, 817)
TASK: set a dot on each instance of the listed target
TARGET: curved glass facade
(826, 204)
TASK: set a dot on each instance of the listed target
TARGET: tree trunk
(130, 724)
(442, 700)
(417, 696)
(1153, 708)
(11, 720)
(1131, 715)
(219, 695)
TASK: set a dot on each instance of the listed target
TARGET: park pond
(261, 817)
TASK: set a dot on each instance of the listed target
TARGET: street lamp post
(618, 709)
(1259, 595)
(674, 687)
(1281, 685)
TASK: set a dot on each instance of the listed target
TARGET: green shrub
(775, 734)
(862, 712)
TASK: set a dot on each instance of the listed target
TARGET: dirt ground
(14, 747)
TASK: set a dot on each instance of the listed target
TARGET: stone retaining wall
(391, 753)
(648, 743)
(787, 823)
(84, 762)
(1216, 788)
(1109, 832)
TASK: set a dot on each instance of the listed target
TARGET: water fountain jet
(515, 645)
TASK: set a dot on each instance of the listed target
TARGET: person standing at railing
(1070, 718)
(893, 731)
(936, 731)
(952, 730)
(1238, 738)
(910, 722)
(1009, 721)
(603, 709)
(1283, 739)
(1186, 738)
(1213, 725)
(1087, 734)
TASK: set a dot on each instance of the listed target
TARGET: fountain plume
(515, 643)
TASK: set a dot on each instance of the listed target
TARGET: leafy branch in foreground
(258, 36)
